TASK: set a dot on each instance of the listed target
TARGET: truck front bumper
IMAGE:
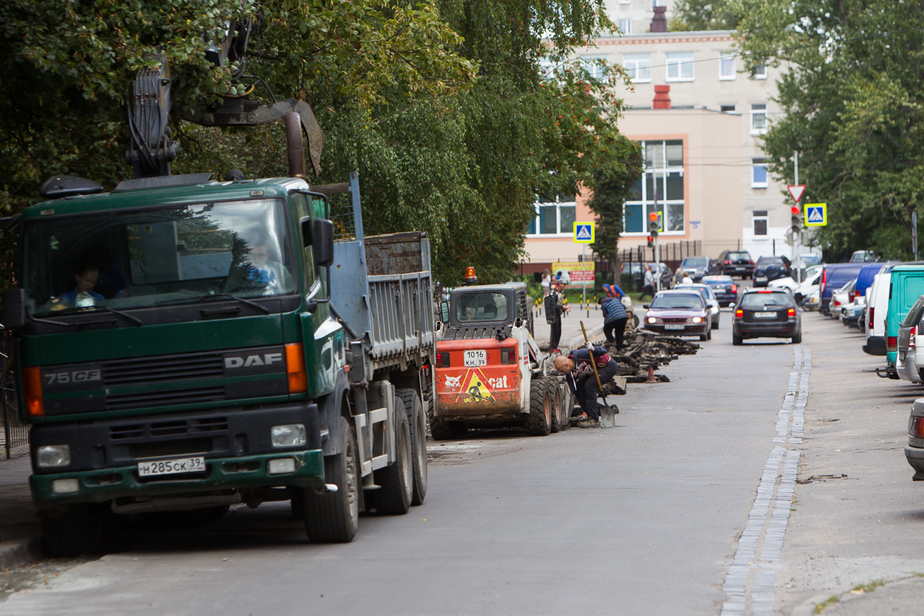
(220, 474)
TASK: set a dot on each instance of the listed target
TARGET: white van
(877, 296)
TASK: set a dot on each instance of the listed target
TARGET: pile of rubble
(644, 353)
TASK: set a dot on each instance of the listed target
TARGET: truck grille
(150, 370)
(166, 449)
(120, 402)
(172, 427)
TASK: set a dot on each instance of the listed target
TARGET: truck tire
(418, 422)
(333, 517)
(72, 530)
(442, 430)
(539, 420)
(397, 480)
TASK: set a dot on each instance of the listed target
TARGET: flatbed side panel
(402, 321)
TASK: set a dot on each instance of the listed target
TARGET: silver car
(908, 337)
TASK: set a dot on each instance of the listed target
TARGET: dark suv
(736, 263)
(697, 267)
(770, 268)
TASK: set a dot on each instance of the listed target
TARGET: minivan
(905, 287)
(877, 306)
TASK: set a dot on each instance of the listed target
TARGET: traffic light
(796, 219)
(650, 242)
(653, 226)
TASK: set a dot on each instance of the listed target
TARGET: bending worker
(582, 381)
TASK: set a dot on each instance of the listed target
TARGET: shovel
(607, 412)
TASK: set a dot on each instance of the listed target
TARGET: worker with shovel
(579, 367)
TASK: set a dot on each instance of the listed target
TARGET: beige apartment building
(699, 118)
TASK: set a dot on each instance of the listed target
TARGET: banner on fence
(577, 273)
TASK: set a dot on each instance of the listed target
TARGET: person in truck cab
(582, 381)
(85, 279)
(267, 273)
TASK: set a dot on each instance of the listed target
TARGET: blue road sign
(816, 214)
(584, 232)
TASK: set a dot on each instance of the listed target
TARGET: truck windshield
(483, 306)
(141, 258)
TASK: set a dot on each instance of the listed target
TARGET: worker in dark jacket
(582, 381)
(614, 315)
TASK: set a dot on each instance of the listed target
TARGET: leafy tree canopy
(704, 15)
(442, 106)
(853, 110)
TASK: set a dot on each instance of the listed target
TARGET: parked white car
(800, 290)
(841, 298)
(877, 304)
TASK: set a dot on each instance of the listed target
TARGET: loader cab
(494, 306)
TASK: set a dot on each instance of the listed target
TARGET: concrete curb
(20, 552)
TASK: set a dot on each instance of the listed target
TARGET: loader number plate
(171, 467)
(476, 358)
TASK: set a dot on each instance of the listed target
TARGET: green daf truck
(183, 344)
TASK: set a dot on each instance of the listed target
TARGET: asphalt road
(686, 507)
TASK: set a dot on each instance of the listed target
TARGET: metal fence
(15, 433)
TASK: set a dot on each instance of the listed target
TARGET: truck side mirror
(14, 308)
(444, 311)
(323, 242)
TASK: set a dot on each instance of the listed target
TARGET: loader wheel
(418, 423)
(558, 408)
(333, 517)
(72, 530)
(442, 430)
(397, 480)
(539, 421)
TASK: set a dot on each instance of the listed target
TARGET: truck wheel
(539, 421)
(72, 530)
(418, 422)
(333, 517)
(441, 430)
(397, 481)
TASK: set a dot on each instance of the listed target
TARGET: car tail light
(739, 314)
(766, 291)
(727, 261)
(751, 262)
(891, 344)
(734, 288)
(852, 295)
(442, 360)
(508, 356)
(835, 302)
(791, 312)
(911, 336)
(916, 429)
(824, 279)
(872, 311)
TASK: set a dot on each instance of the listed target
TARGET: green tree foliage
(613, 185)
(852, 106)
(441, 106)
(704, 15)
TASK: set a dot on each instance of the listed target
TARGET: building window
(661, 189)
(594, 65)
(726, 66)
(655, 3)
(759, 71)
(759, 173)
(638, 66)
(758, 118)
(727, 109)
(680, 66)
(760, 223)
(554, 218)
(625, 26)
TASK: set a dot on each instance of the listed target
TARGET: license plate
(720, 289)
(476, 358)
(761, 279)
(673, 327)
(171, 467)
(764, 315)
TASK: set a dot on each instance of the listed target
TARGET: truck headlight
(288, 435)
(51, 456)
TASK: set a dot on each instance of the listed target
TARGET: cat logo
(452, 382)
(253, 360)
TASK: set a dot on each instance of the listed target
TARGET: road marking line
(750, 580)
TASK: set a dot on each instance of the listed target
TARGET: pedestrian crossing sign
(816, 214)
(584, 232)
